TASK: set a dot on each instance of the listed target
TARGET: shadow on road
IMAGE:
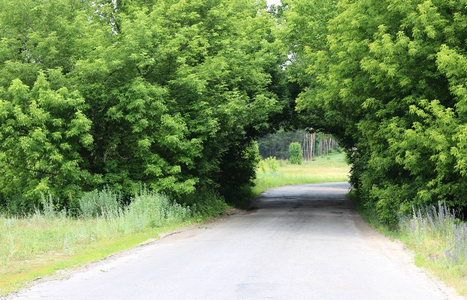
(307, 196)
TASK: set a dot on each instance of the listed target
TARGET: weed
(440, 239)
(272, 164)
(99, 203)
(151, 209)
(262, 166)
(441, 225)
(208, 204)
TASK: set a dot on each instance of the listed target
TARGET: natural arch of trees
(173, 93)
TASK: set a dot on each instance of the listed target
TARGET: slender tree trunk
(313, 145)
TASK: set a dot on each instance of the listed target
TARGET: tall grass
(440, 239)
(49, 234)
(99, 203)
(332, 168)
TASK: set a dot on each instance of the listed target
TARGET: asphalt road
(302, 242)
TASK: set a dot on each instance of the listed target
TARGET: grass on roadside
(436, 236)
(47, 241)
(20, 272)
(440, 241)
(332, 168)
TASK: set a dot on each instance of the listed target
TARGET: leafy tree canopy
(170, 94)
(388, 79)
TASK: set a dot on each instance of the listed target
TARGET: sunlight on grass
(38, 246)
(47, 241)
(324, 169)
(440, 241)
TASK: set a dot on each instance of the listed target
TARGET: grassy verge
(332, 168)
(20, 272)
(440, 243)
(48, 241)
(438, 239)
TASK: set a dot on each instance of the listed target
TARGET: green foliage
(387, 81)
(151, 209)
(205, 203)
(272, 164)
(238, 173)
(103, 203)
(262, 166)
(43, 132)
(118, 93)
(296, 154)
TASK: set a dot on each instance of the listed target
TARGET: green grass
(20, 272)
(439, 242)
(324, 169)
(38, 245)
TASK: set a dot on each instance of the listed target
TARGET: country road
(300, 242)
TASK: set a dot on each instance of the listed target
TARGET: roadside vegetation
(46, 241)
(437, 235)
(440, 240)
(272, 173)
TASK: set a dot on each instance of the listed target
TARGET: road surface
(301, 242)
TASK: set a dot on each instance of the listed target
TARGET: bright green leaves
(42, 132)
(185, 80)
(452, 63)
(168, 93)
(389, 79)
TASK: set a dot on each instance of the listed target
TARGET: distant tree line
(312, 144)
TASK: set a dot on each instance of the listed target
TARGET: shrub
(151, 209)
(207, 203)
(296, 154)
(272, 164)
(104, 203)
(262, 166)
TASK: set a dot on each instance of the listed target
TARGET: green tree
(296, 154)
(385, 83)
(43, 132)
(168, 93)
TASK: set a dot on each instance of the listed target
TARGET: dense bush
(295, 153)
(99, 203)
(101, 93)
(388, 79)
